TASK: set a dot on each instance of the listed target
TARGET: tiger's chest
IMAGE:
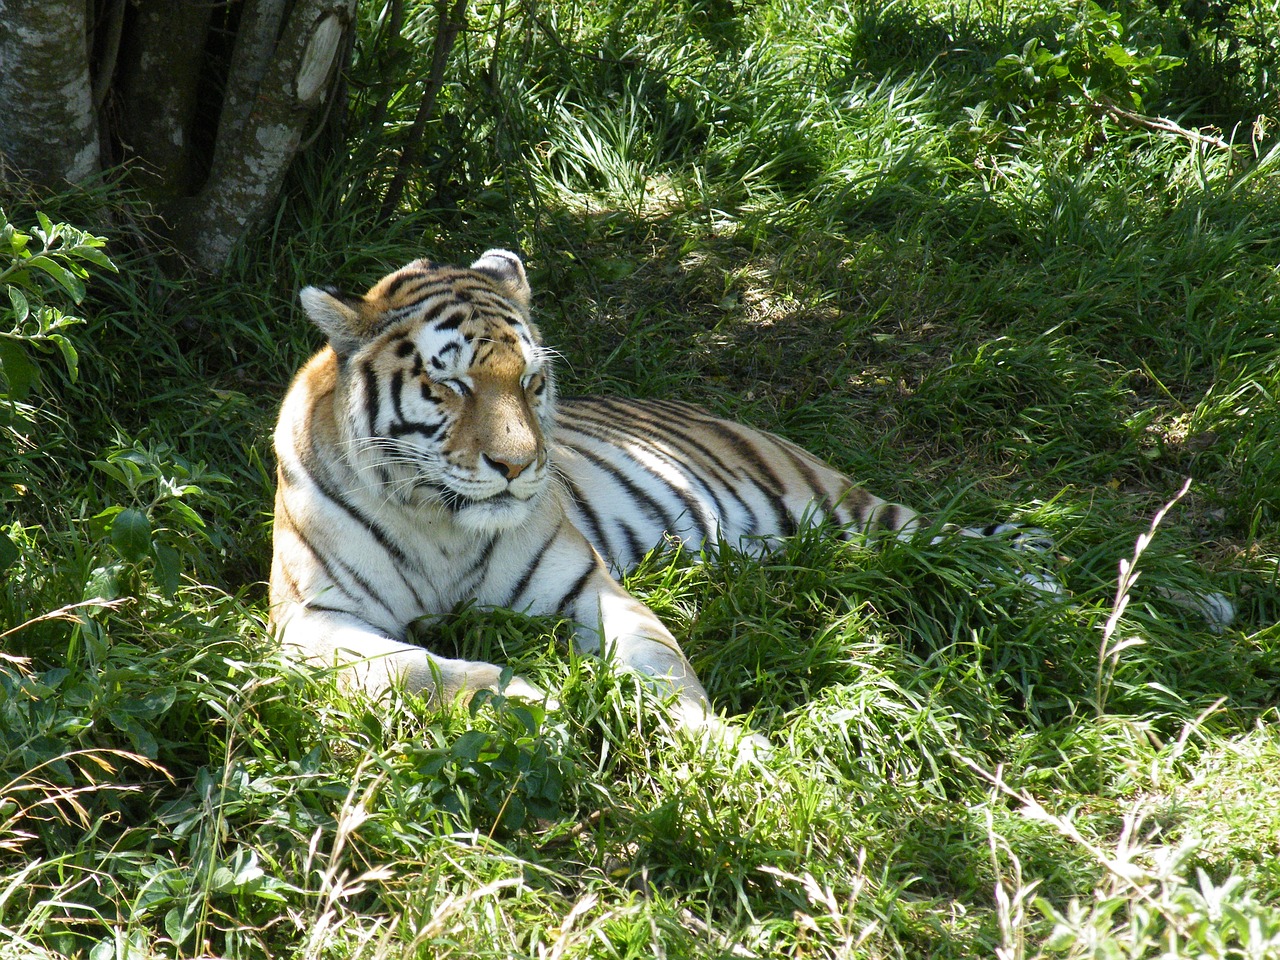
(416, 562)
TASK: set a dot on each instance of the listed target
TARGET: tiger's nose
(508, 467)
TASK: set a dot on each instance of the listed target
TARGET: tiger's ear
(505, 267)
(337, 315)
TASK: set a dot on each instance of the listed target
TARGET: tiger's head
(444, 393)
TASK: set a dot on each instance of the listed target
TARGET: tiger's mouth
(499, 511)
(457, 502)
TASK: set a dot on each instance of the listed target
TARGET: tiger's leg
(610, 621)
(633, 635)
(370, 661)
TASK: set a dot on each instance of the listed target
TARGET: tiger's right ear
(337, 315)
(505, 267)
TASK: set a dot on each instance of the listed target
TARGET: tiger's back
(637, 472)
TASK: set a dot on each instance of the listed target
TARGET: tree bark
(278, 90)
(157, 96)
(48, 130)
(203, 103)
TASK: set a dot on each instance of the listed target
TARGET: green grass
(849, 223)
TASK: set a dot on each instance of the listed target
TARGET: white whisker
(548, 355)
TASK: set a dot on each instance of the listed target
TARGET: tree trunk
(274, 97)
(48, 130)
(157, 95)
(205, 126)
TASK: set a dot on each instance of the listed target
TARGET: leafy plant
(157, 524)
(56, 267)
(35, 277)
(1095, 67)
(496, 779)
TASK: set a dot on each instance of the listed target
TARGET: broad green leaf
(222, 880)
(168, 568)
(152, 704)
(131, 534)
(69, 355)
(21, 307)
(190, 519)
(104, 583)
(1119, 55)
(95, 256)
(142, 739)
(180, 922)
(17, 241)
(101, 522)
(246, 868)
(64, 277)
(110, 468)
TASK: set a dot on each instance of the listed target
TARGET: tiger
(424, 460)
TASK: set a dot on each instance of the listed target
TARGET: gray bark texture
(48, 130)
(157, 95)
(204, 129)
(274, 97)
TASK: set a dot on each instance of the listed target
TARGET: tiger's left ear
(338, 317)
(505, 267)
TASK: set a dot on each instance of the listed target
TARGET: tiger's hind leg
(871, 517)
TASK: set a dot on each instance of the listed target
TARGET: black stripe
(522, 582)
(480, 567)
(637, 547)
(383, 539)
(663, 429)
(397, 384)
(609, 434)
(372, 398)
(889, 508)
(324, 608)
(657, 511)
(711, 462)
(393, 287)
(334, 578)
(453, 322)
(818, 492)
(700, 463)
(427, 430)
(759, 469)
(589, 512)
(574, 591)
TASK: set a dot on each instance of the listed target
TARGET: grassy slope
(838, 225)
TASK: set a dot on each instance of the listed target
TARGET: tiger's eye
(457, 386)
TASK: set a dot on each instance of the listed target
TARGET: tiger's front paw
(522, 689)
(697, 721)
(487, 676)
